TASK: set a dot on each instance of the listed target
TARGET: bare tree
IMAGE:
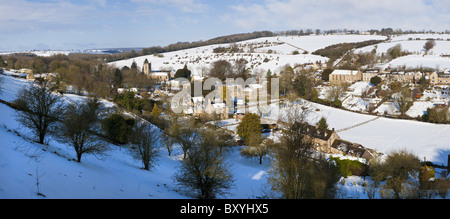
(184, 133)
(145, 144)
(221, 69)
(335, 91)
(39, 109)
(395, 170)
(240, 67)
(438, 114)
(167, 140)
(404, 100)
(298, 170)
(443, 185)
(204, 170)
(429, 45)
(286, 78)
(79, 127)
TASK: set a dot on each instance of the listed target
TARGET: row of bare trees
(202, 169)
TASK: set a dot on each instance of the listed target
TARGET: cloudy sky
(87, 24)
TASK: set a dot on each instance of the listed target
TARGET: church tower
(147, 68)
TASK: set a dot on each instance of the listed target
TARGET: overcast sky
(88, 24)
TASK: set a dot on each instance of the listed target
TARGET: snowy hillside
(414, 43)
(118, 175)
(280, 48)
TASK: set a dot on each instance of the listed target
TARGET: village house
(418, 76)
(368, 74)
(439, 78)
(340, 146)
(26, 71)
(401, 76)
(160, 77)
(328, 141)
(340, 76)
(45, 76)
(323, 139)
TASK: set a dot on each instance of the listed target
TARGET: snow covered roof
(344, 72)
(159, 74)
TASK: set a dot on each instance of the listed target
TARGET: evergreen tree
(249, 126)
(183, 73)
(134, 65)
(375, 80)
(117, 128)
(117, 78)
(156, 111)
(323, 123)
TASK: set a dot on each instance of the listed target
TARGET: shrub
(131, 103)
(336, 103)
(350, 167)
(375, 80)
(426, 173)
(118, 128)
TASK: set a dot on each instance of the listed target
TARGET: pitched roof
(317, 132)
(352, 148)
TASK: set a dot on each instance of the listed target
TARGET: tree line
(188, 45)
(81, 73)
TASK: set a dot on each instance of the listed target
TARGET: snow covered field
(198, 60)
